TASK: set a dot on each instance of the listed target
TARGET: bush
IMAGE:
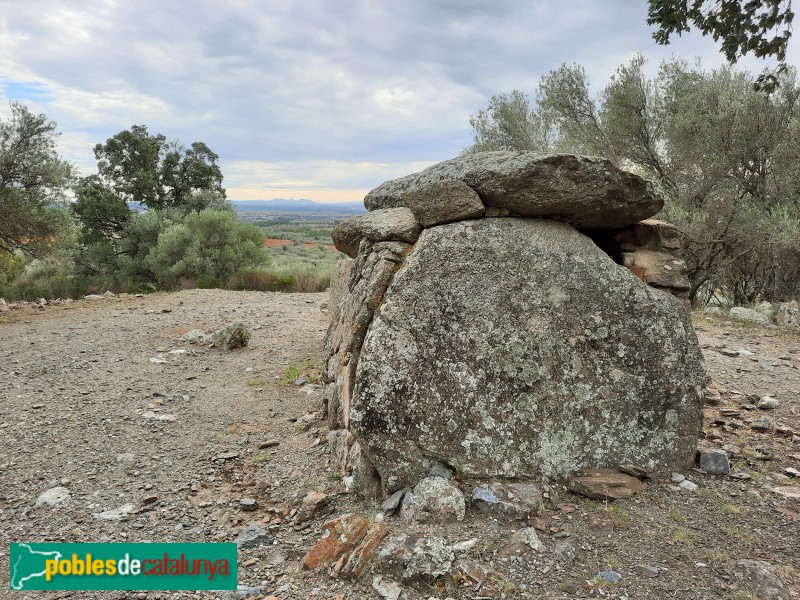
(211, 246)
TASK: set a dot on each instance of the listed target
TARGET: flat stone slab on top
(586, 192)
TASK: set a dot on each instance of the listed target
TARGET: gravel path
(102, 399)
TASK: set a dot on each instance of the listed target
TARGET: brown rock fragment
(604, 484)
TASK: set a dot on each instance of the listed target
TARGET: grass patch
(681, 536)
(261, 457)
(308, 370)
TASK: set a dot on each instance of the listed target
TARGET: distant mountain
(300, 206)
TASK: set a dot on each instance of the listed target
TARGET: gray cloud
(298, 84)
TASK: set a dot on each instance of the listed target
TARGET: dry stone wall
(505, 315)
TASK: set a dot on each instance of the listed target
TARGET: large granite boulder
(517, 348)
(587, 192)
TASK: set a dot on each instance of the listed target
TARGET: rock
(478, 373)
(658, 268)
(587, 192)
(766, 309)
(230, 337)
(388, 589)
(348, 545)
(392, 503)
(715, 462)
(688, 486)
(93, 297)
(604, 484)
(748, 315)
(791, 492)
(528, 537)
(768, 403)
(442, 202)
(311, 504)
(610, 576)
(248, 504)
(116, 514)
(712, 396)
(416, 557)
(761, 576)
(465, 545)
(225, 456)
(678, 478)
(517, 500)
(54, 497)
(788, 314)
(195, 336)
(761, 424)
(246, 591)
(390, 225)
(154, 416)
(646, 570)
(433, 500)
(253, 536)
(440, 470)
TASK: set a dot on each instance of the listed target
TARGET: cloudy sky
(308, 98)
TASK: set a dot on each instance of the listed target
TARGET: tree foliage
(726, 155)
(149, 170)
(762, 27)
(34, 180)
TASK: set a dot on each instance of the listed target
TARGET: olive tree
(34, 181)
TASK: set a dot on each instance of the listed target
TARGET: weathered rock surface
(443, 201)
(433, 500)
(517, 500)
(604, 484)
(517, 348)
(393, 224)
(788, 314)
(587, 192)
(416, 557)
(761, 576)
(748, 315)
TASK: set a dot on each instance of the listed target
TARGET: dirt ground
(102, 398)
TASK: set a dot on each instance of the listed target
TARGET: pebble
(768, 403)
(115, 514)
(248, 504)
(678, 478)
(715, 462)
(646, 570)
(688, 486)
(610, 576)
(54, 497)
(253, 536)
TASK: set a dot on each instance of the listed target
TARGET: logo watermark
(130, 566)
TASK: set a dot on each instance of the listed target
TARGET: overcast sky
(306, 99)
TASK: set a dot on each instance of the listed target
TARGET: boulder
(748, 315)
(588, 192)
(394, 224)
(515, 347)
(788, 314)
(443, 201)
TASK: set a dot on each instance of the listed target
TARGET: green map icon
(28, 564)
